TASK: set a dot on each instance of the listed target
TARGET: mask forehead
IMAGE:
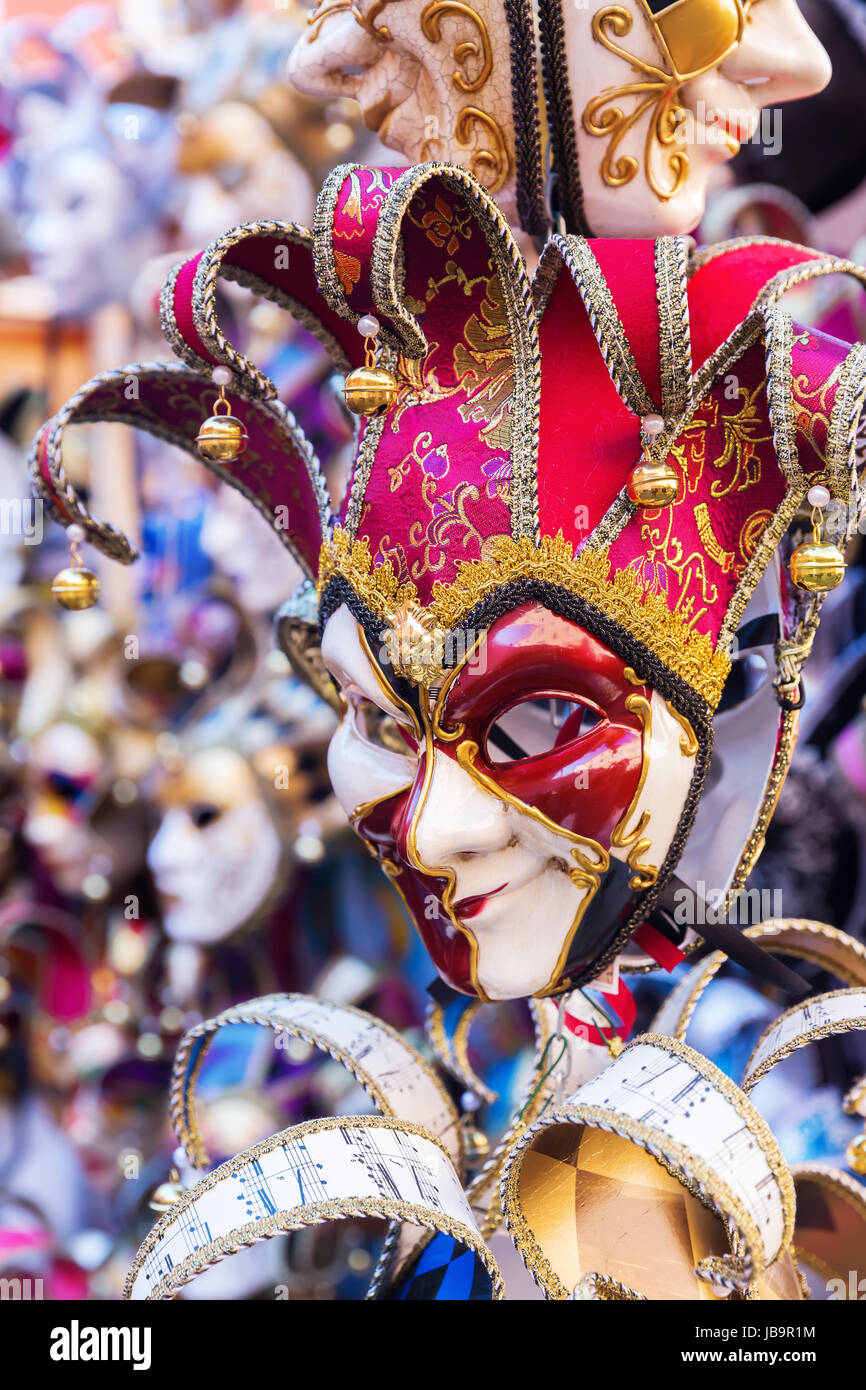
(215, 777)
(348, 655)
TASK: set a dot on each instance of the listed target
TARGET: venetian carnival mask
(217, 853)
(563, 696)
(642, 99)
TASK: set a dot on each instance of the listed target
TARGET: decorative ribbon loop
(397, 1079)
(272, 259)
(323, 1170)
(573, 1185)
(278, 472)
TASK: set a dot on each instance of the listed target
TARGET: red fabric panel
(697, 551)
(356, 217)
(629, 269)
(183, 309)
(722, 292)
(440, 482)
(588, 438)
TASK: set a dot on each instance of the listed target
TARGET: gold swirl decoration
(466, 51)
(492, 163)
(693, 37)
(365, 18)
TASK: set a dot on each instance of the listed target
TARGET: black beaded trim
(510, 596)
(560, 117)
(531, 208)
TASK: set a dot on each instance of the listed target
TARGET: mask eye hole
(203, 815)
(534, 727)
(381, 729)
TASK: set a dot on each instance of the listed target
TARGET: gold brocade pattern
(621, 597)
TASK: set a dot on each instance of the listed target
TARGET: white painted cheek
(666, 787)
(521, 931)
(344, 655)
(175, 845)
(521, 934)
(361, 772)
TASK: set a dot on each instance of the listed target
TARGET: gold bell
(817, 565)
(75, 587)
(653, 484)
(166, 1194)
(370, 390)
(222, 438)
(856, 1154)
(476, 1145)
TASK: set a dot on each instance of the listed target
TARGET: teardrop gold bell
(817, 566)
(856, 1154)
(222, 438)
(476, 1145)
(165, 1195)
(370, 390)
(653, 484)
(76, 588)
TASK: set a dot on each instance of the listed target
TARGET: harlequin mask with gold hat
(554, 604)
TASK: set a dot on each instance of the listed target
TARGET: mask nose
(779, 57)
(332, 57)
(172, 845)
(457, 817)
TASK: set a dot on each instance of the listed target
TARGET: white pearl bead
(76, 534)
(819, 496)
(653, 424)
(221, 376)
(368, 326)
(470, 1102)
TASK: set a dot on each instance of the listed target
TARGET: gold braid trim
(621, 596)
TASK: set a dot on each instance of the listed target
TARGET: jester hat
(499, 474)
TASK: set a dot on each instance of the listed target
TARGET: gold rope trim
(621, 596)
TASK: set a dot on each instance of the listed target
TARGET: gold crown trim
(621, 596)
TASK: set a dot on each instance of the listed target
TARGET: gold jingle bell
(653, 485)
(652, 482)
(370, 390)
(817, 565)
(476, 1145)
(75, 587)
(167, 1193)
(222, 438)
(856, 1154)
